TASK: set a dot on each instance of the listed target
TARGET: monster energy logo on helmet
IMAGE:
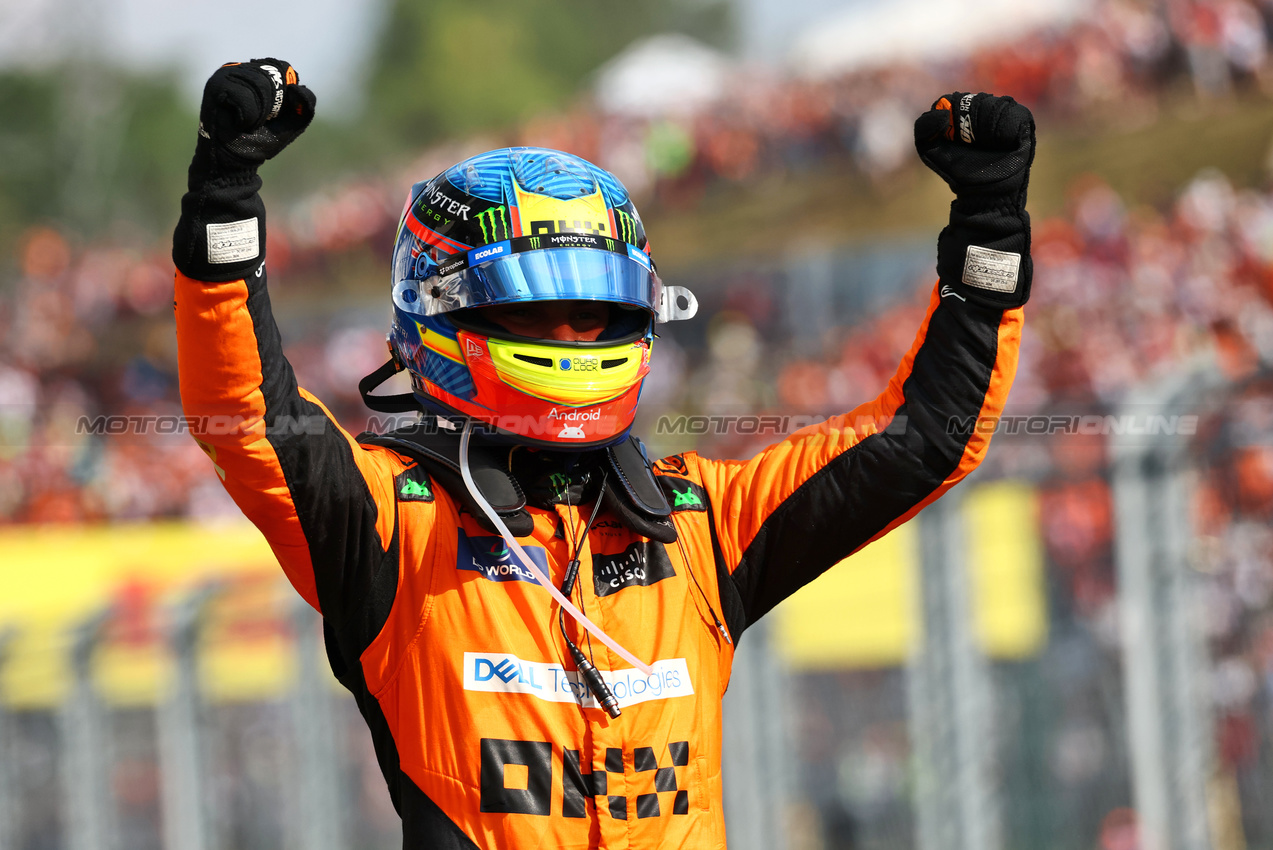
(626, 226)
(492, 221)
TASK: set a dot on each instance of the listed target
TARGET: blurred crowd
(84, 328)
(1119, 62)
(1123, 298)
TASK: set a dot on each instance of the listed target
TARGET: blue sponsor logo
(494, 561)
(489, 252)
(504, 673)
(637, 254)
(507, 670)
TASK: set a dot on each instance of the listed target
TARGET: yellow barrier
(861, 613)
(55, 577)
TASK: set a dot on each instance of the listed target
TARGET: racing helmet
(524, 225)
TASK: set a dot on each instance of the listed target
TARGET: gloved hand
(250, 112)
(982, 146)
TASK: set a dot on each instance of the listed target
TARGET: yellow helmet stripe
(439, 344)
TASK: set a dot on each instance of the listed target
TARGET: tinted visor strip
(521, 244)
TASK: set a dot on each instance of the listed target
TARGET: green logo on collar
(684, 494)
(413, 486)
(687, 499)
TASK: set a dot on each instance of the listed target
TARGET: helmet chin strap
(529, 564)
(400, 403)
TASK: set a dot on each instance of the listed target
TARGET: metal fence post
(8, 805)
(950, 697)
(86, 752)
(180, 728)
(757, 761)
(1164, 654)
(319, 750)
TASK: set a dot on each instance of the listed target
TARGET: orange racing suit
(453, 652)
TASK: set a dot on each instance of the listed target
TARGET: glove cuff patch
(234, 241)
(986, 268)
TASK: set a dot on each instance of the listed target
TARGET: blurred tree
(100, 150)
(94, 148)
(446, 68)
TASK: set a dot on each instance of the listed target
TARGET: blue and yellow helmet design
(521, 225)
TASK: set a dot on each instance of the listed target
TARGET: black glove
(250, 112)
(982, 146)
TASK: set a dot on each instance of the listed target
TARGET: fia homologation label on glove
(233, 241)
(986, 268)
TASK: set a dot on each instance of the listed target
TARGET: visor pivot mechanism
(671, 299)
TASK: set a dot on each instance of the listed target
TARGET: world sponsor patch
(500, 672)
(491, 558)
(641, 564)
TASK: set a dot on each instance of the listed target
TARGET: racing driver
(536, 620)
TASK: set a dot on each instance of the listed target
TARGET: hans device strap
(631, 491)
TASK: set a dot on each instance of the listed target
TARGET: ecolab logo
(478, 255)
(502, 673)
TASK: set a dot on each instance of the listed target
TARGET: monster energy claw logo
(493, 219)
(627, 227)
(534, 243)
(559, 483)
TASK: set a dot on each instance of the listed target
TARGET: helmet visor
(548, 274)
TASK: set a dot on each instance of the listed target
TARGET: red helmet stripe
(431, 237)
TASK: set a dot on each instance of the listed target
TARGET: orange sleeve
(325, 504)
(803, 504)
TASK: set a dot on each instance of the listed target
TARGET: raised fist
(252, 110)
(980, 144)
